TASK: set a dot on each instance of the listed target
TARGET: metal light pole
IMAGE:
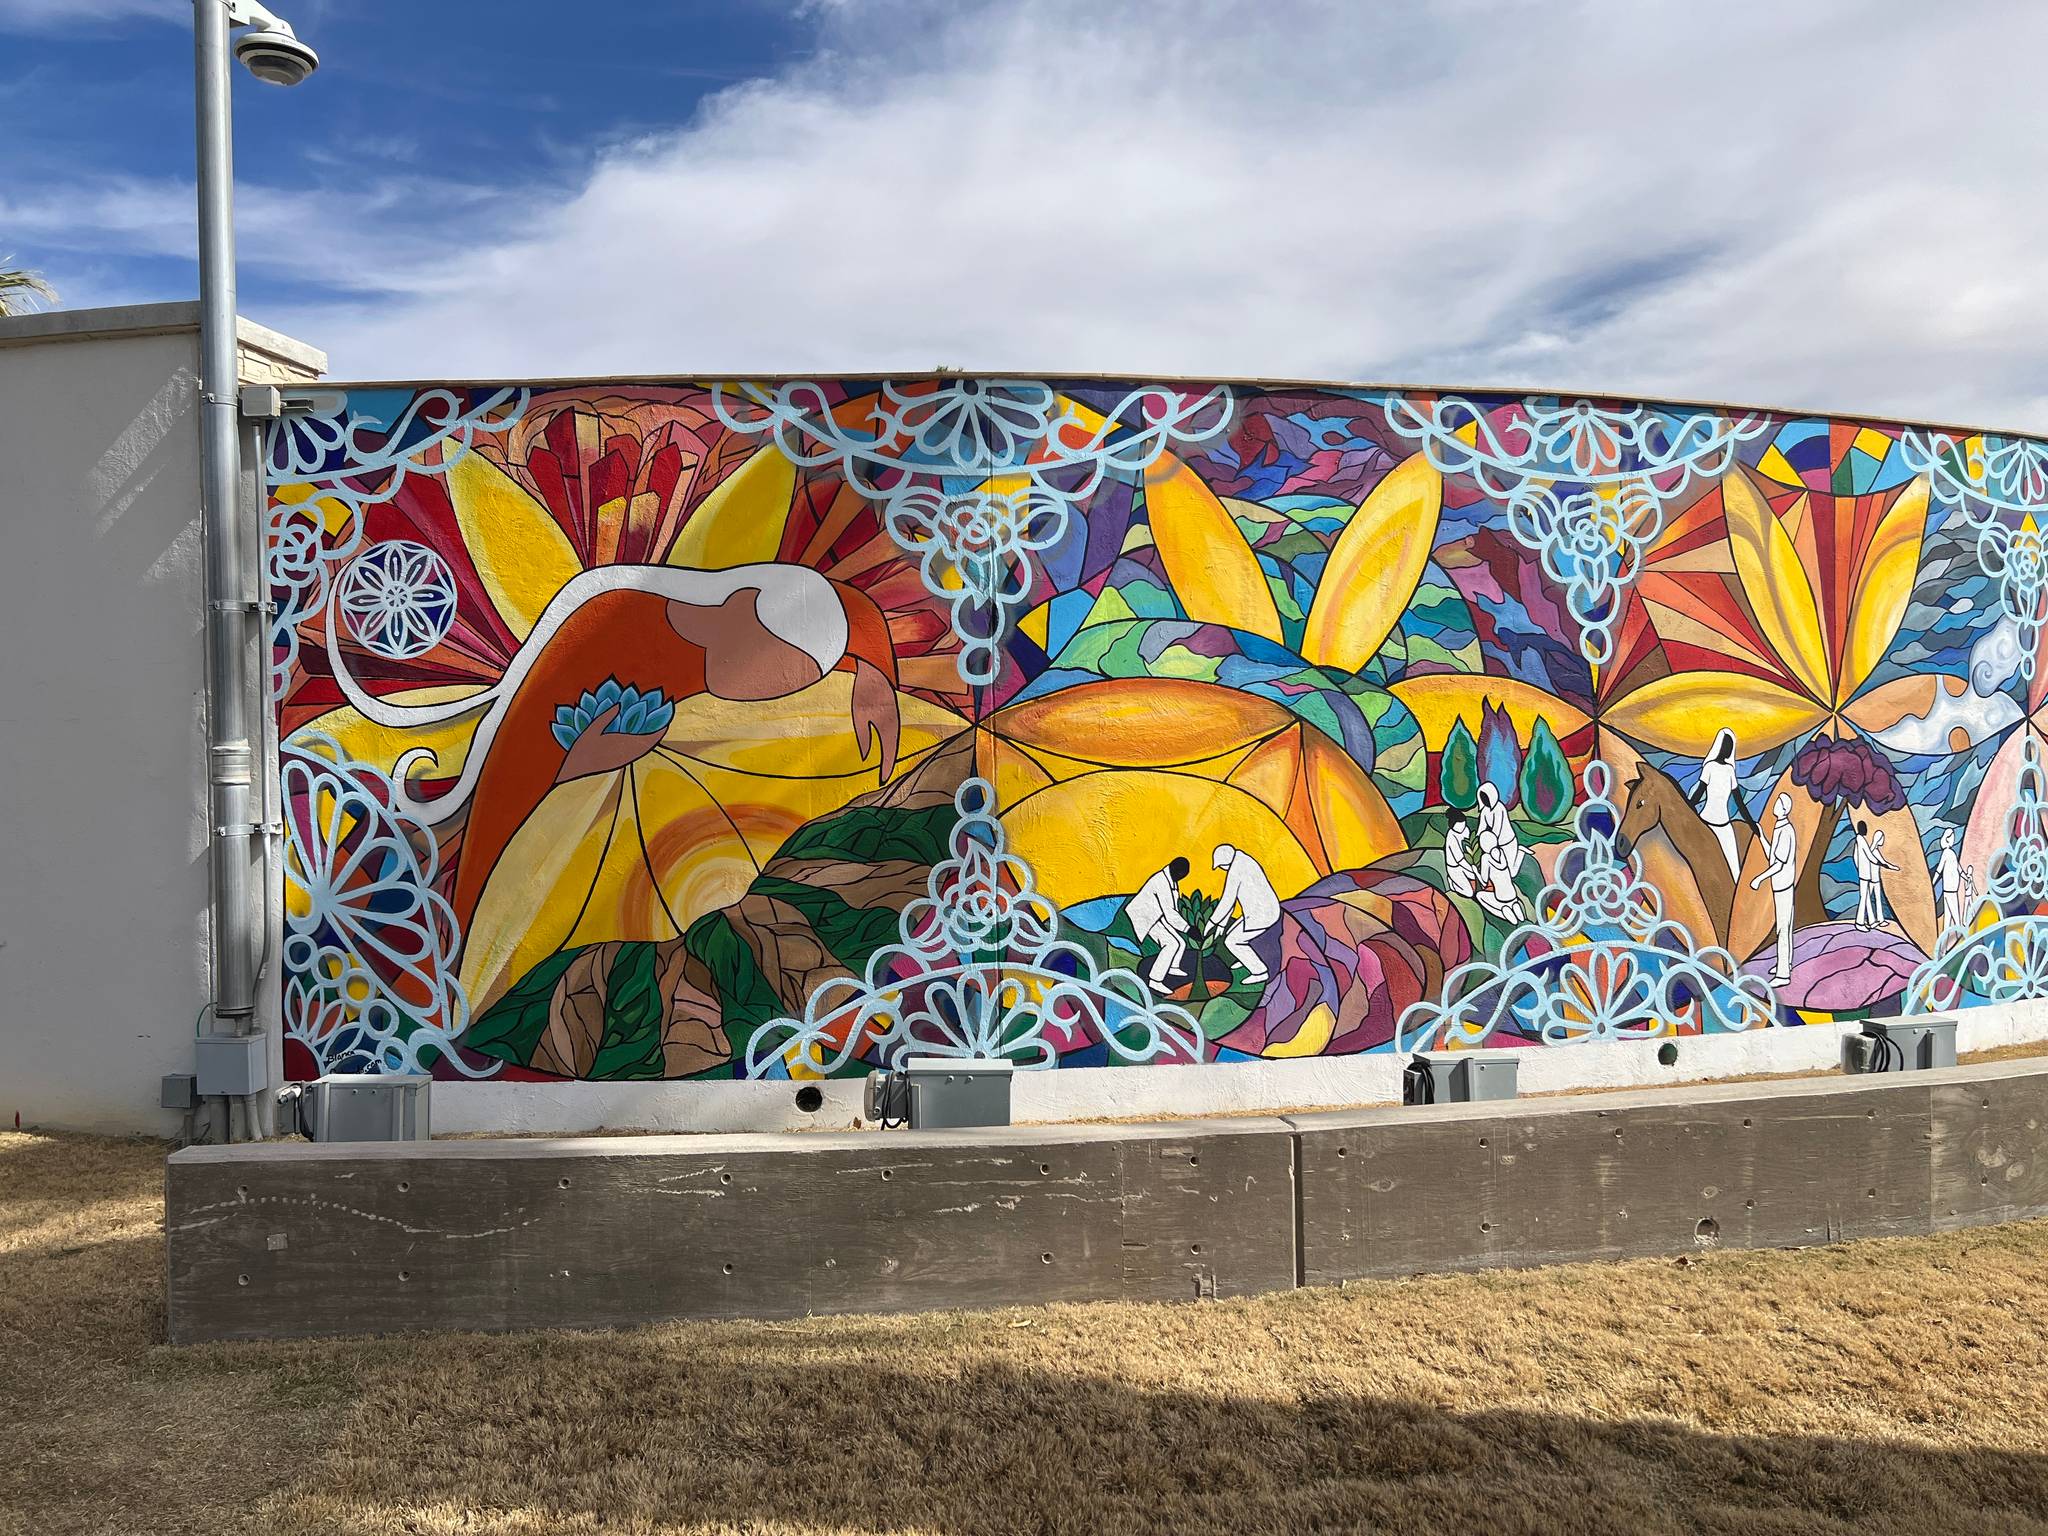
(271, 52)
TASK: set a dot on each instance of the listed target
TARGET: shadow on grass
(630, 1431)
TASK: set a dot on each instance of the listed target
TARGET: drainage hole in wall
(810, 1098)
(1045, 1258)
(241, 1279)
(1708, 1230)
(1667, 1054)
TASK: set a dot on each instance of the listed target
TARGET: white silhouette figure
(1783, 873)
(1249, 893)
(1154, 914)
(1948, 874)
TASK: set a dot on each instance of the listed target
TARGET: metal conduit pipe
(230, 753)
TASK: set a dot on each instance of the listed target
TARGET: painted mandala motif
(369, 944)
(1600, 961)
(975, 476)
(1584, 485)
(978, 971)
(398, 599)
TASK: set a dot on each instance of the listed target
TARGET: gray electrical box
(1901, 1045)
(179, 1090)
(393, 1106)
(1458, 1077)
(232, 1064)
(942, 1092)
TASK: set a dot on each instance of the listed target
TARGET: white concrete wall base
(1088, 1093)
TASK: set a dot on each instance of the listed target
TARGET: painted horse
(1679, 848)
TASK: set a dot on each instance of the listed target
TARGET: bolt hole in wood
(1045, 1167)
(1045, 1258)
(1749, 1205)
(241, 1279)
(887, 1174)
(1746, 1120)
(404, 1185)
(561, 1183)
(728, 1269)
(405, 1274)
(1486, 1226)
(1194, 1247)
(1343, 1151)
(1482, 1141)
(725, 1178)
(241, 1191)
(1193, 1159)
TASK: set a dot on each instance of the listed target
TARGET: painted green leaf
(510, 1029)
(875, 835)
(634, 1012)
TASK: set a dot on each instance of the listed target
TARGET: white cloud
(1831, 204)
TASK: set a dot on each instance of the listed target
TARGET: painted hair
(1179, 867)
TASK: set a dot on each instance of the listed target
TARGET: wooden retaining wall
(290, 1240)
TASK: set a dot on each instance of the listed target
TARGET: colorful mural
(782, 729)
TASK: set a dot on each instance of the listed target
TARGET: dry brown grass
(1887, 1386)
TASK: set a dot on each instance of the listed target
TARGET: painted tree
(1500, 754)
(1546, 782)
(1840, 775)
(1459, 775)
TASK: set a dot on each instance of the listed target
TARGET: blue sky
(408, 95)
(1831, 204)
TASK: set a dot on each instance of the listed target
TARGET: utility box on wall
(1457, 1077)
(394, 1106)
(941, 1092)
(1901, 1045)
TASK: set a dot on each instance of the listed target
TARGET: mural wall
(772, 730)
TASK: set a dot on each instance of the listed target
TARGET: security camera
(270, 49)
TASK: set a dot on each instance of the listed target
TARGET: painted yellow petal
(523, 557)
(1107, 833)
(539, 887)
(1682, 711)
(1884, 582)
(1374, 566)
(1776, 584)
(1441, 699)
(1357, 824)
(806, 734)
(382, 745)
(1214, 572)
(1142, 722)
(741, 522)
